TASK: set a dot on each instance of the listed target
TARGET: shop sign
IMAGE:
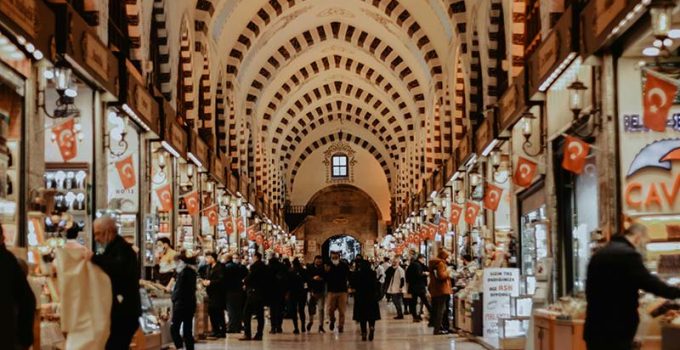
(499, 285)
(178, 137)
(598, 19)
(217, 170)
(463, 149)
(485, 134)
(554, 49)
(201, 151)
(22, 13)
(140, 100)
(512, 103)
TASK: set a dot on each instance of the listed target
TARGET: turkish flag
(431, 232)
(456, 211)
(443, 226)
(471, 211)
(525, 172)
(251, 233)
(126, 172)
(191, 200)
(492, 196)
(657, 101)
(228, 225)
(575, 153)
(66, 139)
(259, 239)
(164, 195)
(239, 225)
(211, 213)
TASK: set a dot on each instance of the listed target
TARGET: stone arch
(185, 82)
(161, 51)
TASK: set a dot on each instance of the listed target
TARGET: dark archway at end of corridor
(348, 246)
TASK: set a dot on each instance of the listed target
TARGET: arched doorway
(348, 246)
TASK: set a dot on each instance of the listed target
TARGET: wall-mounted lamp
(496, 160)
(577, 93)
(190, 171)
(160, 176)
(528, 121)
(457, 189)
(121, 132)
(661, 12)
(67, 89)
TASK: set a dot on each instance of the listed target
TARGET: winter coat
(317, 286)
(394, 280)
(234, 274)
(296, 284)
(366, 293)
(184, 292)
(337, 277)
(416, 278)
(257, 281)
(440, 282)
(616, 273)
(216, 290)
(17, 303)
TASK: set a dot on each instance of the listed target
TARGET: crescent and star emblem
(524, 170)
(575, 149)
(654, 108)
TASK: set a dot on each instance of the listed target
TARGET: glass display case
(535, 241)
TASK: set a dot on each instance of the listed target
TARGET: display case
(69, 188)
(535, 240)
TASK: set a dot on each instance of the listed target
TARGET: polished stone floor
(390, 335)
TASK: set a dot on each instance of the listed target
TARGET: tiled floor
(390, 335)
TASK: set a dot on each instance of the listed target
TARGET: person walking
(317, 292)
(214, 284)
(166, 260)
(616, 274)
(120, 262)
(277, 293)
(17, 302)
(337, 277)
(416, 277)
(394, 282)
(364, 282)
(256, 283)
(234, 274)
(297, 295)
(184, 302)
(440, 290)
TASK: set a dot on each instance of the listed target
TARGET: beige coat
(85, 299)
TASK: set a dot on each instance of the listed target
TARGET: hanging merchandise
(658, 99)
(471, 212)
(575, 154)
(456, 210)
(191, 200)
(164, 195)
(65, 137)
(526, 170)
(211, 214)
(492, 197)
(126, 171)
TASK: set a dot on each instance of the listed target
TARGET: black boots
(371, 333)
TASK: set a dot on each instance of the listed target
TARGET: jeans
(217, 322)
(122, 331)
(438, 306)
(446, 324)
(337, 301)
(185, 321)
(398, 301)
(235, 302)
(253, 306)
(317, 302)
(423, 301)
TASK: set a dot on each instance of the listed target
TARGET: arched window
(340, 166)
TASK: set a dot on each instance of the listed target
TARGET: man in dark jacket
(337, 276)
(184, 302)
(120, 263)
(416, 277)
(234, 274)
(278, 287)
(616, 273)
(256, 284)
(317, 292)
(17, 302)
(214, 284)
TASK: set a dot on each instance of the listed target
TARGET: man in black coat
(278, 287)
(234, 274)
(120, 263)
(256, 284)
(616, 273)
(317, 292)
(416, 277)
(337, 277)
(17, 302)
(184, 303)
(214, 286)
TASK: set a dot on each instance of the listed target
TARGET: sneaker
(440, 332)
(321, 330)
(332, 325)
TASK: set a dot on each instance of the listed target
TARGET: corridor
(390, 335)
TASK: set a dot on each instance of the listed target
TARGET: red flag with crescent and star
(191, 201)
(251, 233)
(575, 153)
(431, 231)
(525, 172)
(66, 139)
(239, 225)
(211, 213)
(443, 226)
(126, 172)
(492, 197)
(471, 212)
(657, 102)
(164, 194)
(456, 211)
(228, 225)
